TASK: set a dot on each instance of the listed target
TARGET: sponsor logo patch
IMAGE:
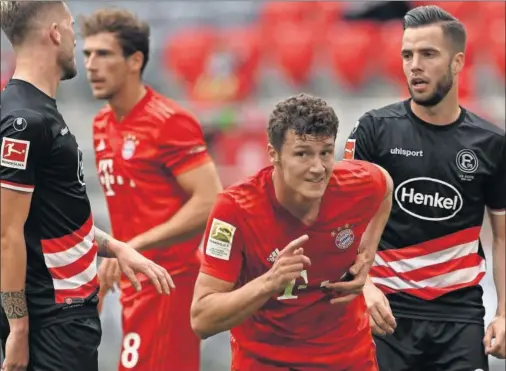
(428, 199)
(219, 243)
(349, 149)
(14, 153)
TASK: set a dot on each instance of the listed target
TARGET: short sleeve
(181, 144)
(223, 242)
(379, 185)
(360, 143)
(25, 141)
(495, 186)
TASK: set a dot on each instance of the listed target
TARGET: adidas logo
(273, 256)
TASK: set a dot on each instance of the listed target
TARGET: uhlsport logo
(428, 199)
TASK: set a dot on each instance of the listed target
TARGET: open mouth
(316, 181)
(419, 83)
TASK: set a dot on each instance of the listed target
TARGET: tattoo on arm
(103, 240)
(14, 304)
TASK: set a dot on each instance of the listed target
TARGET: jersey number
(130, 353)
(288, 293)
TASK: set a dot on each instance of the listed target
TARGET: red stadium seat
(6, 68)
(467, 83)
(231, 67)
(497, 45)
(389, 54)
(186, 53)
(240, 153)
(293, 51)
(349, 51)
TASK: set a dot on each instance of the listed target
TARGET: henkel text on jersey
(444, 177)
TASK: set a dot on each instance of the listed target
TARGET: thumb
(133, 279)
(487, 340)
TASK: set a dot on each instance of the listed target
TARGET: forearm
(218, 312)
(12, 281)
(105, 244)
(499, 257)
(188, 222)
(372, 235)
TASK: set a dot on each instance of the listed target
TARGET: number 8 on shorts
(130, 351)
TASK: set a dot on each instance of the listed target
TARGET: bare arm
(217, 307)
(372, 235)
(498, 222)
(104, 244)
(202, 185)
(14, 212)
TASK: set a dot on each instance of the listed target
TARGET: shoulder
(394, 110)
(358, 175)
(22, 121)
(484, 126)
(250, 192)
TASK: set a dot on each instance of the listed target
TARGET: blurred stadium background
(231, 61)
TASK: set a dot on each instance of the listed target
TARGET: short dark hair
(305, 115)
(18, 17)
(131, 33)
(426, 15)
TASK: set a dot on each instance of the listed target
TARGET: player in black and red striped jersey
(49, 246)
(448, 166)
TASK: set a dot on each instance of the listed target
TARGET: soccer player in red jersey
(280, 248)
(160, 184)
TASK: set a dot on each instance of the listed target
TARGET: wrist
(19, 326)
(500, 312)
(115, 247)
(267, 286)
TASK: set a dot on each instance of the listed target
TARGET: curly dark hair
(305, 115)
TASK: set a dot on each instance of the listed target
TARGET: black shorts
(421, 345)
(67, 346)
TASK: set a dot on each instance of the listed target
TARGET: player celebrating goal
(278, 244)
(49, 246)
(160, 185)
(447, 165)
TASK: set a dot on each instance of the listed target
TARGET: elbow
(200, 324)
(200, 328)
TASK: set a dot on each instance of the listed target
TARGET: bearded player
(160, 185)
(49, 244)
(280, 246)
(448, 167)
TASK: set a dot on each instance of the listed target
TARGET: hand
(352, 288)
(494, 340)
(288, 266)
(381, 318)
(132, 262)
(16, 352)
(109, 273)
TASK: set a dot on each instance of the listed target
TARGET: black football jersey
(40, 155)
(430, 260)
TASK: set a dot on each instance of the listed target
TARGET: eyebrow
(426, 49)
(302, 146)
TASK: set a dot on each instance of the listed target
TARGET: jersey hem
(43, 322)
(439, 318)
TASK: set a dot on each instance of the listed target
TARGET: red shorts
(156, 328)
(241, 361)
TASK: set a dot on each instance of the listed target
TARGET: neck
(44, 76)
(445, 112)
(299, 206)
(126, 99)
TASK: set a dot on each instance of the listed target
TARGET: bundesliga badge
(129, 146)
(343, 237)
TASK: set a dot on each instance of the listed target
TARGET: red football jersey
(138, 159)
(246, 231)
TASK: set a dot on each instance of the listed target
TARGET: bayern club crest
(343, 237)
(129, 145)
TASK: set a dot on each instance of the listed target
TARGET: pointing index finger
(294, 245)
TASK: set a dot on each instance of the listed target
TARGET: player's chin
(314, 190)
